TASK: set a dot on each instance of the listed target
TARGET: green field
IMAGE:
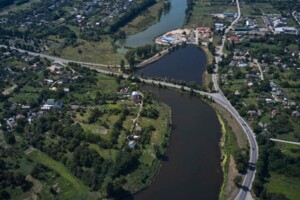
(102, 52)
(257, 9)
(201, 14)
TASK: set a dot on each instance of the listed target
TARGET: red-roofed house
(233, 39)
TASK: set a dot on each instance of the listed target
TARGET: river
(171, 20)
(187, 64)
(192, 167)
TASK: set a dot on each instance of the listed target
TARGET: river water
(171, 20)
(187, 64)
(192, 167)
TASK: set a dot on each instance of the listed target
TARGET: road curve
(221, 99)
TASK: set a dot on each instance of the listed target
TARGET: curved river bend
(192, 169)
(172, 20)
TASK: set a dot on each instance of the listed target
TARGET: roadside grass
(79, 190)
(288, 186)
(144, 19)
(228, 145)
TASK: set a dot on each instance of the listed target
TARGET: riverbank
(232, 140)
(191, 132)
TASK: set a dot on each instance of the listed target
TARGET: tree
(122, 65)
(238, 181)
(210, 85)
(4, 195)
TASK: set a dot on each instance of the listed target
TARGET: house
(270, 101)
(296, 113)
(252, 113)
(274, 113)
(204, 31)
(49, 81)
(234, 39)
(138, 129)
(286, 30)
(237, 93)
(232, 63)
(242, 65)
(219, 27)
(25, 107)
(136, 96)
(132, 144)
(229, 14)
(20, 116)
(50, 102)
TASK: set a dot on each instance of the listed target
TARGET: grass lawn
(79, 191)
(288, 186)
